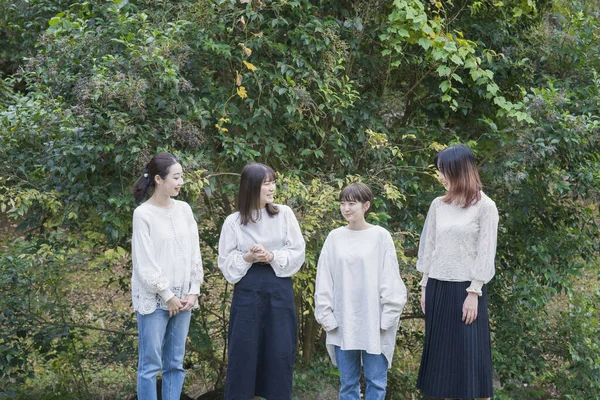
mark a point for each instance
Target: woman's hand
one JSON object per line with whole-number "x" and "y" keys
{"x": 257, "y": 248}
{"x": 469, "y": 310}
{"x": 423, "y": 299}
{"x": 175, "y": 306}
{"x": 258, "y": 253}
{"x": 265, "y": 257}
{"x": 189, "y": 301}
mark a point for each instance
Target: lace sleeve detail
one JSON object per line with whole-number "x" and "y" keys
{"x": 427, "y": 243}
{"x": 197, "y": 272}
{"x": 483, "y": 268}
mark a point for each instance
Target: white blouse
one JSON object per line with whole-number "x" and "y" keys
{"x": 165, "y": 251}
{"x": 459, "y": 244}
{"x": 279, "y": 234}
{"x": 359, "y": 291}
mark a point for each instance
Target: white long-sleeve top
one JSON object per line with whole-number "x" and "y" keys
{"x": 359, "y": 291}
{"x": 279, "y": 234}
{"x": 165, "y": 250}
{"x": 459, "y": 244}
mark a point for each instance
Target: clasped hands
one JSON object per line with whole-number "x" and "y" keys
{"x": 176, "y": 305}
{"x": 258, "y": 253}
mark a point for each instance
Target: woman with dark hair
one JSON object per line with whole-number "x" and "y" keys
{"x": 260, "y": 248}
{"x": 359, "y": 296}
{"x": 456, "y": 256}
{"x": 166, "y": 279}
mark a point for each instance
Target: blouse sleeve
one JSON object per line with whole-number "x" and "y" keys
{"x": 324, "y": 293}
{"x": 290, "y": 257}
{"x": 197, "y": 272}
{"x": 144, "y": 262}
{"x": 392, "y": 291}
{"x": 427, "y": 244}
{"x": 231, "y": 261}
{"x": 483, "y": 269}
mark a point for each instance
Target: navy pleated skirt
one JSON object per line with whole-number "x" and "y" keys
{"x": 262, "y": 337}
{"x": 457, "y": 358}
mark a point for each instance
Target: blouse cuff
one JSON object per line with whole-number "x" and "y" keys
{"x": 329, "y": 323}
{"x": 243, "y": 263}
{"x": 166, "y": 294}
{"x": 194, "y": 288}
{"x": 278, "y": 259}
{"x": 475, "y": 287}
{"x": 424, "y": 279}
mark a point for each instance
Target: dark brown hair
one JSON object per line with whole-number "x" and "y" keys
{"x": 358, "y": 192}
{"x": 248, "y": 201}
{"x": 159, "y": 165}
{"x": 457, "y": 163}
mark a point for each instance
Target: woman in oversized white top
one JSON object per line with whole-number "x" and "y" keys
{"x": 260, "y": 248}
{"x": 359, "y": 297}
{"x": 456, "y": 256}
{"x": 166, "y": 277}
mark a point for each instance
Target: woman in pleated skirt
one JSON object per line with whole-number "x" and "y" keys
{"x": 456, "y": 256}
{"x": 260, "y": 248}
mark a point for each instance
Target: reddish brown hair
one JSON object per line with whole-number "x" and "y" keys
{"x": 457, "y": 163}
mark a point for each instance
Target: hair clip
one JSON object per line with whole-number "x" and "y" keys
{"x": 146, "y": 175}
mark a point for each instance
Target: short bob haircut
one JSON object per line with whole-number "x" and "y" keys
{"x": 457, "y": 163}
{"x": 248, "y": 201}
{"x": 358, "y": 192}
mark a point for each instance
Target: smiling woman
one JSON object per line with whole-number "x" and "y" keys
{"x": 167, "y": 273}
{"x": 260, "y": 248}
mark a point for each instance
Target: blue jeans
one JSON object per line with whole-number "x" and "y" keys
{"x": 375, "y": 366}
{"x": 161, "y": 346}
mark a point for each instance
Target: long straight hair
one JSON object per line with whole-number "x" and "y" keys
{"x": 159, "y": 165}
{"x": 457, "y": 163}
{"x": 248, "y": 200}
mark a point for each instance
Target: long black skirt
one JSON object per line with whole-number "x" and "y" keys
{"x": 457, "y": 358}
{"x": 262, "y": 337}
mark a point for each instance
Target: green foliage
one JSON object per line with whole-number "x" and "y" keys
{"x": 326, "y": 92}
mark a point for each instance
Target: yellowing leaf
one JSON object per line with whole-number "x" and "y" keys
{"x": 238, "y": 78}
{"x": 241, "y": 91}
{"x": 247, "y": 51}
{"x": 249, "y": 66}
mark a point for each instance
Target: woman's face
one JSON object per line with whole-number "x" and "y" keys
{"x": 353, "y": 211}
{"x": 267, "y": 191}
{"x": 172, "y": 183}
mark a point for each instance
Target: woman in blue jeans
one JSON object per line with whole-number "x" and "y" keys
{"x": 359, "y": 297}
{"x": 167, "y": 273}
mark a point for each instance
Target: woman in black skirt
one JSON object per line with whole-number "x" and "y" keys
{"x": 260, "y": 248}
{"x": 456, "y": 257}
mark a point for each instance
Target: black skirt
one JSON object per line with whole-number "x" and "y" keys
{"x": 262, "y": 337}
{"x": 457, "y": 358}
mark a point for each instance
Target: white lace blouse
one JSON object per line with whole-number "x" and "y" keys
{"x": 165, "y": 251}
{"x": 279, "y": 234}
{"x": 459, "y": 244}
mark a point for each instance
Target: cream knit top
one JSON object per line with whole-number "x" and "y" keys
{"x": 459, "y": 244}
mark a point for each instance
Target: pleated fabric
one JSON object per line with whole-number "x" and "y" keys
{"x": 262, "y": 337}
{"x": 457, "y": 358}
